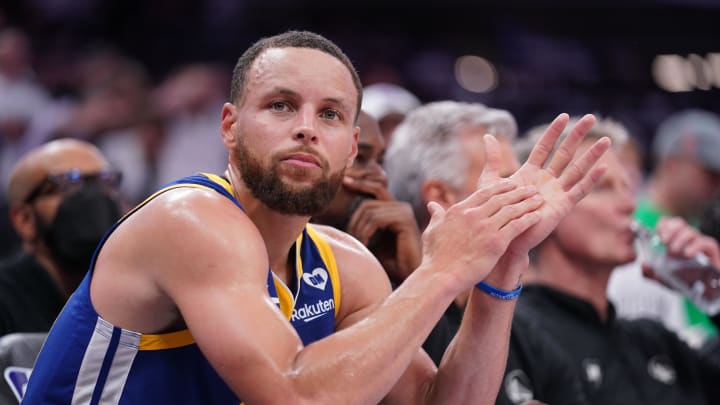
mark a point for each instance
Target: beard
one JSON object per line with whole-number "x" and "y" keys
{"x": 268, "y": 187}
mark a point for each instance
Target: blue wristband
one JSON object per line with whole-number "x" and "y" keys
{"x": 498, "y": 293}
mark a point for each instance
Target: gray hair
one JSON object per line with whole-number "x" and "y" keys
{"x": 608, "y": 127}
{"x": 426, "y": 146}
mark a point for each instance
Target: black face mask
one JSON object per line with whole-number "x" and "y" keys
{"x": 81, "y": 220}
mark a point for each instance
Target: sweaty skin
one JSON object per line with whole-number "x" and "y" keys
{"x": 190, "y": 258}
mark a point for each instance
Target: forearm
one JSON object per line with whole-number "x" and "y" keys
{"x": 362, "y": 363}
{"x": 472, "y": 368}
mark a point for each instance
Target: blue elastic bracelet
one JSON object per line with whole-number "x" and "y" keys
{"x": 498, "y": 293}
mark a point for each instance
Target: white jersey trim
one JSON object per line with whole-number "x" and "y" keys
{"x": 92, "y": 362}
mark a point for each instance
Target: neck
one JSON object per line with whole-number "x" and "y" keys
{"x": 279, "y": 231}
{"x": 572, "y": 275}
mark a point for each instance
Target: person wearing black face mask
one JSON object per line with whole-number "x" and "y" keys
{"x": 62, "y": 197}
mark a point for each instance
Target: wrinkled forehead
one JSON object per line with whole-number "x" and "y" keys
{"x": 303, "y": 69}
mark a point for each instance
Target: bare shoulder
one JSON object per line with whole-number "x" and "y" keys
{"x": 189, "y": 218}
{"x": 177, "y": 245}
{"x": 363, "y": 280}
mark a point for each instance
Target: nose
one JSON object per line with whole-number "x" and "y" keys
{"x": 306, "y": 128}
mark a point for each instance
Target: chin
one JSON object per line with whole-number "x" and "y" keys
{"x": 627, "y": 258}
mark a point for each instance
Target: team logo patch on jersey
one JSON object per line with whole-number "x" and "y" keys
{"x": 593, "y": 372}
{"x": 660, "y": 368}
{"x": 17, "y": 378}
{"x": 517, "y": 387}
{"x": 318, "y": 278}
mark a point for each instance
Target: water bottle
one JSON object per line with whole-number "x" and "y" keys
{"x": 695, "y": 277}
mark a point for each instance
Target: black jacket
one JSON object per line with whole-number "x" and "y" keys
{"x": 537, "y": 368}
{"x": 621, "y": 361}
{"x": 29, "y": 299}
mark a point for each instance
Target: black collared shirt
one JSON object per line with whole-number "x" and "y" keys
{"x": 537, "y": 368}
{"x": 621, "y": 361}
{"x": 29, "y": 299}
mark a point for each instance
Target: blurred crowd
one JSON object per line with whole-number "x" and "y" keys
{"x": 153, "y": 133}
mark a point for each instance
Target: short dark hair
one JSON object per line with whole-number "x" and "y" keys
{"x": 289, "y": 39}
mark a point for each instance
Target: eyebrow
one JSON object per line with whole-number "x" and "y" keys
{"x": 291, "y": 93}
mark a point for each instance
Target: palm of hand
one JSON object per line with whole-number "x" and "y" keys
{"x": 562, "y": 184}
{"x": 557, "y": 203}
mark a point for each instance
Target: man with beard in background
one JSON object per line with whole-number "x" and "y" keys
{"x": 62, "y": 197}
{"x": 364, "y": 208}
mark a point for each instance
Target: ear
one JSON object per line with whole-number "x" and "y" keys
{"x": 23, "y": 221}
{"x": 228, "y": 120}
{"x": 440, "y": 192}
{"x": 354, "y": 150}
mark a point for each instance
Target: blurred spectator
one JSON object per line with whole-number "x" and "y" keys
{"x": 388, "y": 104}
{"x": 21, "y": 98}
{"x": 437, "y": 154}
{"x": 619, "y": 361}
{"x": 430, "y": 153}
{"x": 114, "y": 113}
{"x": 685, "y": 179}
{"x": 686, "y": 146}
{"x": 20, "y": 95}
{"x": 62, "y": 197}
{"x": 189, "y": 103}
{"x": 364, "y": 208}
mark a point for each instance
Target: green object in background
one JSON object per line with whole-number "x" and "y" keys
{"x": 648, "y": 215}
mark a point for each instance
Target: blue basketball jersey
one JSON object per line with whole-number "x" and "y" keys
{"x": 87, "y": 360}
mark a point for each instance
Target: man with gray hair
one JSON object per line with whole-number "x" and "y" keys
{"x": 437, "y": 155}
{"x": 619, "y": 361}
{"x": 438, "y": 151}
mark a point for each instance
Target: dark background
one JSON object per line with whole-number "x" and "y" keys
{"x": 551, "y": 56}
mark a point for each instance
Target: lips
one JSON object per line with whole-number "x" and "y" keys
{"x": 304, "y": 159}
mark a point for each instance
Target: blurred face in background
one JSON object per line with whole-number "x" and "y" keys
{"x": 67, "y": 200}
{"x": 367, "y": 166}
{"x": 693, "y": 185}
{"x": 597, "y": 230}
